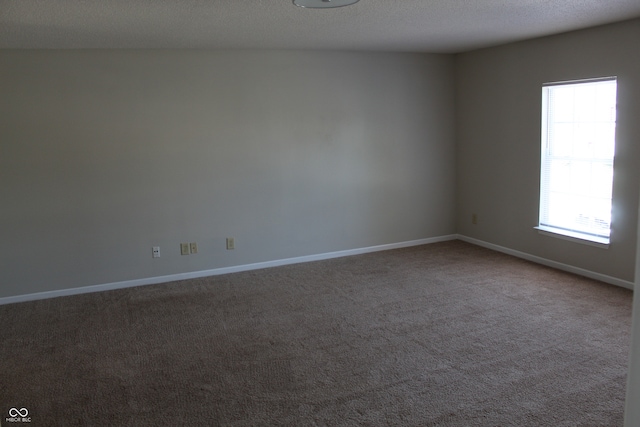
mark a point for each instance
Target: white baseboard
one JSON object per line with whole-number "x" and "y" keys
{"x": 309, "y": 258}
{"x": 218, "y": 271}
{"x": 550, "y": 263}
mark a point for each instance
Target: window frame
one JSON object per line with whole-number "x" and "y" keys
{"x": 548, "y": 229}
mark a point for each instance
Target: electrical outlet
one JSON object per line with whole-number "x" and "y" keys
{"x": 184, "y": 249}
{"x": 231, "y": 244}
{"x": 193, "y": 246}
{"x": 156, "y": 251}
{"x": 474, "y": 219}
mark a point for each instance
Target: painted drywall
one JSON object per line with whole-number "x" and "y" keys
{"x": 105, "y": 154}
{"x": 498, "y": 116}
{"x": 632, "y": 409}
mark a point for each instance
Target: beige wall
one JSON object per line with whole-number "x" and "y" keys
{"x": 105, "y": 154}
{"x": 632, "y": 409}
{"x": 498, "y": 102}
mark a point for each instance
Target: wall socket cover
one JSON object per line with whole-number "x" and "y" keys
{"x": 231, "y": 244}
{"x": 184, "y": 249}
{"x": 156, "y": 251}
{"x": 193, "y": 247}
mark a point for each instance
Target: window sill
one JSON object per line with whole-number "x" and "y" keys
{"x": 598, "y": 242}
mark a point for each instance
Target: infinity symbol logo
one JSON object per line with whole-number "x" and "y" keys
{"x": 23, "y": 412}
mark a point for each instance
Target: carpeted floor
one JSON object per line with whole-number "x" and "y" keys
{"x": 447, "y": 334}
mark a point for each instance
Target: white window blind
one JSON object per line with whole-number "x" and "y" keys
{"x": 578, "y": 144}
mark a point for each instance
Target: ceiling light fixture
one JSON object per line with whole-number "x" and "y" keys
{"x": 323, "y": 4}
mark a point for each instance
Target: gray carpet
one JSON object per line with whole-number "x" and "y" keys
{"x": 448, "y": 334}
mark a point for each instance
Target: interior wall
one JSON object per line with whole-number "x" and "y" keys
{"x": 632, "y": 409}
{"x": 106, "y": 153}
{"x": 498, "y": 102}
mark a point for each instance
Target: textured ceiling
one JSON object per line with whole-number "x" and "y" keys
{"x": 382, "y": 25}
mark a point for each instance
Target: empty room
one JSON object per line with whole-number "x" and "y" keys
{"x": 319, "y": 213}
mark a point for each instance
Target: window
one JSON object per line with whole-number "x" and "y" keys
{"x": 578, "y": 144}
